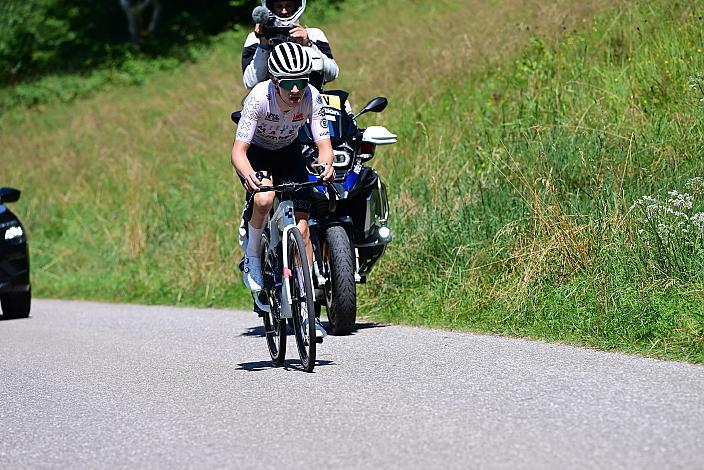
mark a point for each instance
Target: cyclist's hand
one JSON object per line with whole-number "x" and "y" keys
{"x": 326, "y": 171}
{"x": 252, "y": 182}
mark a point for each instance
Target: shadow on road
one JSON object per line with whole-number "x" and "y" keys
{"x": 258, "y": 331}
{"x": 259, "y": 366}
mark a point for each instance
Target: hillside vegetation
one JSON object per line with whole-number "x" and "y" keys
{"x": 528, "y": 134}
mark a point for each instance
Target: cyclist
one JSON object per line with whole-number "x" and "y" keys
{"x": 257, "y": 47}
{"x": 267, "y": 149}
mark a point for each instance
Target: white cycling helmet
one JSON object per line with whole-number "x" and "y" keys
{"x": 288, "y": 20}
{"x": 289, "y": 60}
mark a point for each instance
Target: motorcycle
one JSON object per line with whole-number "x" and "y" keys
{"x": 349, "y": 225}
{"x": 348, "y": 222}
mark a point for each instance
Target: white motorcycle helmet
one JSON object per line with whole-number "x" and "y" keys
{"x": 289, "y": 20}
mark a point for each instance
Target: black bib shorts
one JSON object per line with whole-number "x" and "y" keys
{"x": 285, "y": 165}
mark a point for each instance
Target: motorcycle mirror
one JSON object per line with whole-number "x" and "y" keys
{"x": 376, "y": 105}
{"x": 9, "y": 195}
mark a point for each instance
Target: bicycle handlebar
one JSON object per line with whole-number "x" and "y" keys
{"x": 291, "y": 187}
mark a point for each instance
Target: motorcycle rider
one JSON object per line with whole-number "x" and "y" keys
{"x": 266, "y": 147}
{"x": 257, "y": 48}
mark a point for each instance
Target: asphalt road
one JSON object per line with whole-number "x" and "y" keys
{"x": 85, "y": 385}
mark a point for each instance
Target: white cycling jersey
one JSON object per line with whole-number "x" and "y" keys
{"x": 265, "y": 125}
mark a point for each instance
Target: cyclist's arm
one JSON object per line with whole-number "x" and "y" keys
{"x": 242, "y": 165}
{"x": 321, "y": 134}
{"x": 243, "y": 137}
{"x": 325, "y": 157}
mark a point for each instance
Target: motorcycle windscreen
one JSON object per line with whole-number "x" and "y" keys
{"x": 340, "y": 124}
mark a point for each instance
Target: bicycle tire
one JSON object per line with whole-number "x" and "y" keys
{"x": 274, "y": 326}
{"x": 302, "y": 305}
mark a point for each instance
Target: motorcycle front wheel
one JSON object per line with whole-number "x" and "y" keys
{"x": 340, "y": 287}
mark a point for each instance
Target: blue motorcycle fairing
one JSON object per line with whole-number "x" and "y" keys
{"x": 350, "y": 180}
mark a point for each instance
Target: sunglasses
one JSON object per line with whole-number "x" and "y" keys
{"x": 288, "y": 83}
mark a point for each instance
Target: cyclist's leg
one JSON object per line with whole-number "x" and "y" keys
{"x": 261, "y": 204}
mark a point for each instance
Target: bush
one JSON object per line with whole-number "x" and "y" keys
{"x": 39, "y": 37}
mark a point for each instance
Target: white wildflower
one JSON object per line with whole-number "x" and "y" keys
{"x": 695, "y": 184}
{"x": 644, "y": 201}
{"x": 663, "y": 231}
{"x": 698, "y": 221}
{"x": 678, "y": 214}
{"x": 683, "y": 200}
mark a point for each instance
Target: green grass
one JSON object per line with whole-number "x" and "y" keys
{"x": 524, "y": 140}
{"x": 519, "y": 221}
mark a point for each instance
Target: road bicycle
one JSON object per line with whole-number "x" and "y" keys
{"x": 287, "y": 284}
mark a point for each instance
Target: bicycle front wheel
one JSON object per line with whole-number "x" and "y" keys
{"x": 274, "y": 326}
{"x": 302, "y": 305}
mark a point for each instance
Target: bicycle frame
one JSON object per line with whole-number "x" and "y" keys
{"x": 283, "y": 220}
{"x": 280, "y": 223}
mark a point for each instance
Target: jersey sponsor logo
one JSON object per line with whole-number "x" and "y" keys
{"x": 324, "y": 122}
{"x": 331, "y": 101}
{"x": 272, "y": 117}
{"x": 298, "y": 117}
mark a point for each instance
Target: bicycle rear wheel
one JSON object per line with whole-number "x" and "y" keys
{"x": 302, "y": 305}
{"x": 274, "y": 326}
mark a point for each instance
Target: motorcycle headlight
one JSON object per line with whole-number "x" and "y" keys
{"x": 13, "y": 232}
{"x": 341, "y": 159}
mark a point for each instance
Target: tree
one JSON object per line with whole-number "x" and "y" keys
{"x": 135, "y": 11}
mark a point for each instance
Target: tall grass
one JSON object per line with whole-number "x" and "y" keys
{"x": 520, "y": 217}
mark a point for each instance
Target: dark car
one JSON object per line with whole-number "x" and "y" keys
{"x": 15, "y": 289}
